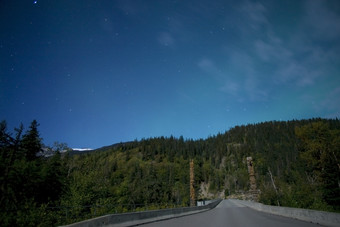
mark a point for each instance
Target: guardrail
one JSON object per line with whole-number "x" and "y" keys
{"x": 314, "y": 216}
{"x": 135, "y": 218}
{"x": 72, "y": 214}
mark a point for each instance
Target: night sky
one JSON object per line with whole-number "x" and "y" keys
{"x": 94, "y": 73}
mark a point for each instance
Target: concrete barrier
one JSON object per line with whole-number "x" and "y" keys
{"x": 137, "y": 218}
{"x": 314, "y": 216}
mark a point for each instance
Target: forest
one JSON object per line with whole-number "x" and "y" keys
{"x": 297, "y": 164}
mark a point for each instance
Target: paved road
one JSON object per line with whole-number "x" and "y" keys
{"x": 229, "y": 213}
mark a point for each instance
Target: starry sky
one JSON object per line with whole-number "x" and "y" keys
{"x": 94, "y": 73}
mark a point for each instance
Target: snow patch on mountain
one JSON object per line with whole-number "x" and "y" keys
{"x": 82, "y": 149}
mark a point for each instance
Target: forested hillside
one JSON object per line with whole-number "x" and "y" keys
{"x": 296, "y": 164}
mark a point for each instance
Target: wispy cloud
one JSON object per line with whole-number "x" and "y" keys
{"x": 272, "y": 49}
{"x": 240, "y": 82}
{"x": 228, "y": 85}
{"x": 301, "y": 59}
{"x": 209, "y": 66}
{"x": 291, "y": 64}
{"x": 231, "y": 87}
{"x": 267, "y": 59}
{"x": 254, "y": 12}
{"x": 331, "y": 103}
{"x": 185, "y": 96}
{"x": 321, "y": 20}
{"x": 251, "y": 81}
{"x": 166, "y": 39}
{"x": 130, "y": 7}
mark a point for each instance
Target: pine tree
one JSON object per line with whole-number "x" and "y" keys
{"x": 31, "y": 142}
{"x": 320, "y": 152}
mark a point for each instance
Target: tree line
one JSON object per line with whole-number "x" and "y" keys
{"x": 296, "y": 164}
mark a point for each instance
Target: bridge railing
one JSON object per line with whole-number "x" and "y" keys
{"x": 71, "y": 214}
{"x": 314, "y": 216}
{"x": 143, "y": 216}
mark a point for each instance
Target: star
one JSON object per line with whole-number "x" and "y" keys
{"x": 35, "y": 2}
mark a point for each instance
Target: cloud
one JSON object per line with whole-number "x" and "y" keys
{"x": 296, "y": 73}
{"x": 253, "y": 80}
{"x": 230, "y": 87}
{"x": 331, "y": 103}
{"x": 255, "y": 11}
{"x": 255, "y": 89}
{"x": 325, "y": 104}
{"x": 285, "y": 58}
{"x": 267, "y": 58}
{"x": 130, "y": 7}
{"x": 166, "y": 39}
{"x": 240, "y": 82}
{"x": 186, "y": 97}
{"x": 273, "y": 49}
{"x": 300, "y": 59}
{"x": 106, "y": 24}
{"x": 289, "y": 66}
{"x": 251, "y": 15}
{"x": 209, "y": 66}
{"x": 321, "y": 20}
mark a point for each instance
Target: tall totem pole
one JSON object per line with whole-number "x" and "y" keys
{"x": 253, "y": 191}
{"x": 192, "y": 180}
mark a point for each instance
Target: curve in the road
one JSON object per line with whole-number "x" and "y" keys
{"x": 229, "y": 213}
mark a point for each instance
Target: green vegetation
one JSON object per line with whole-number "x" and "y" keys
{"x": 28, "y": 183}
{"x": 296, "y": 164}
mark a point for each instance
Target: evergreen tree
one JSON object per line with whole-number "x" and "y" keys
{"x": 320, "y": 152}
{"x": 31, "y": 142}
{"x": 28, "y": 183}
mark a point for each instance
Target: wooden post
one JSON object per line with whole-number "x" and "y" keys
{"x": 192, "y": 180}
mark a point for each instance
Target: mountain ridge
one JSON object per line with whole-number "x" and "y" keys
{"x": 296, "y": 164}
{"x": 221, "y": 163}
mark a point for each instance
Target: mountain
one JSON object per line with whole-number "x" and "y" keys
{"x": 295, "y": 163}
{"x": 155, "y": 170}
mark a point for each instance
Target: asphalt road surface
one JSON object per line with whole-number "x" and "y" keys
{"x": 229, "y": 213}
